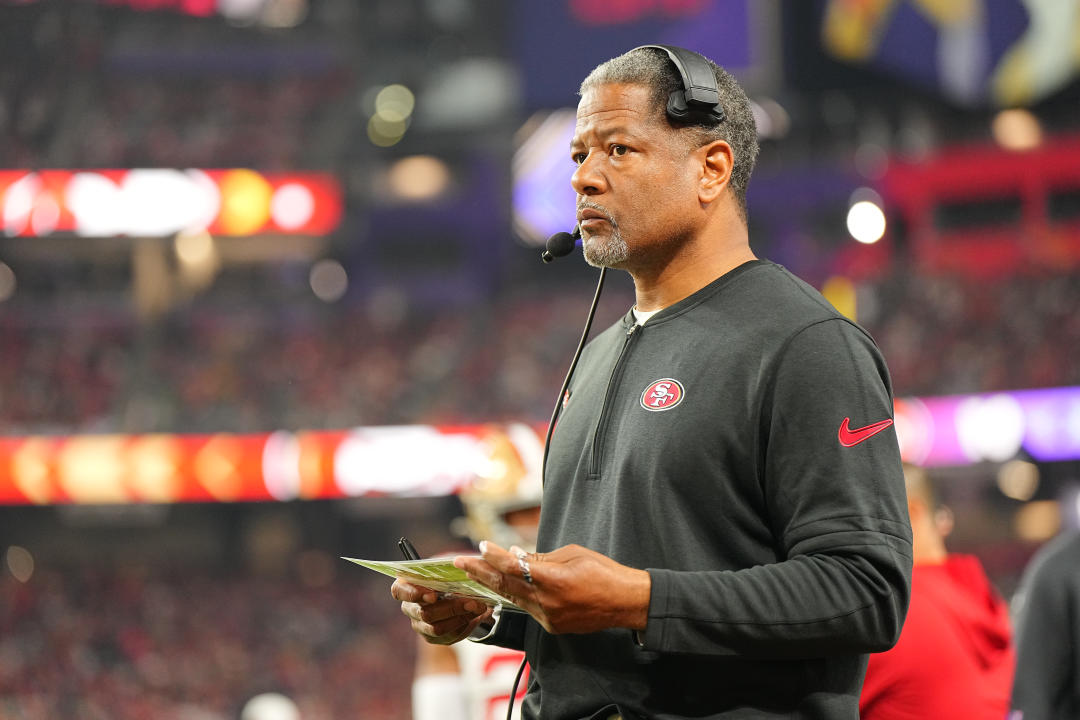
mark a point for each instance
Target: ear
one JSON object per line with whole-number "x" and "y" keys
{"x": 944, "y": 520}
{"x": 717, "y": 161}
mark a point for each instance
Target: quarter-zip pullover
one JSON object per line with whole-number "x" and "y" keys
{"x": 719, "y": 447}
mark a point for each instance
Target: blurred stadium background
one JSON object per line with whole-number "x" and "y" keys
{"x": 270, "y": 294}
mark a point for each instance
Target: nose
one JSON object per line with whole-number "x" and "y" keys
{"x": 588, "y": 179}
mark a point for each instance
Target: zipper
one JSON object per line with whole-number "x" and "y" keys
{"x": 598, "y": 433}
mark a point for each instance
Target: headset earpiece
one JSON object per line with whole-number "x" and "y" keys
{"x": 698, "y": 102}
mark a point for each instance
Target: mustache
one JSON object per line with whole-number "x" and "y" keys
{"x": 599, "y": 208}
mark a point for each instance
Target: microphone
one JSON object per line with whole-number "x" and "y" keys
{"x": 561, "y": 244}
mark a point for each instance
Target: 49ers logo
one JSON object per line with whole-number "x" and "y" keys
{"x": 662, "y": 395}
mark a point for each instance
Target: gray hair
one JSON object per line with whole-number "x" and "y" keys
{"x": 653, "y": 68}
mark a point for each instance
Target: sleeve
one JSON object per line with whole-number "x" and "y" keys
{"x": 439, "y": 697}
{"x": 1044, "y": 657}
{"x": 508, "y": 630}
{"x": 833, "y": 490}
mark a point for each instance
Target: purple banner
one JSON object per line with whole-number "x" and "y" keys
{"x": 994, "y": 427}
{"x": 558, "y": 42}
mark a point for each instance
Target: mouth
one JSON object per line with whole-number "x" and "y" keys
{"x": 590, "y": 217}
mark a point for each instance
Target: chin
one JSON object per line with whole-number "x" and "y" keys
{"x": 609, "y": 252}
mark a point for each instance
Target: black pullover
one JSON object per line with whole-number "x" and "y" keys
{"x": 736, "y": 447}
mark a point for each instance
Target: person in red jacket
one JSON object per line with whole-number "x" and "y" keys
{"x": 955, "y": 656}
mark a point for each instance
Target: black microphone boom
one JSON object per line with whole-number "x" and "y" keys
{"x": 561, "y": 244}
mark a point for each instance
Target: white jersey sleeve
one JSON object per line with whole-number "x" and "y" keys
{"x": 488, "y": 675}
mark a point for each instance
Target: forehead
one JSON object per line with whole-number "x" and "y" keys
{"x": 617, "y": 105}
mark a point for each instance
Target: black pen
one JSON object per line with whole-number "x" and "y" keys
{"x": 407, "y": 549}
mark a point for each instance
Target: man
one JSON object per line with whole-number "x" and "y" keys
{"x": 955, "y": 656}
{"x": 734, "y": 545}
{"x": 1047, "y": 608}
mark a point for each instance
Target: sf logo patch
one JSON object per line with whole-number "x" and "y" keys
{"x": 662, "y": 395}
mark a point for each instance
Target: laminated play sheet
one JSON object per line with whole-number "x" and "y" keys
{"x": 438, "y": 574}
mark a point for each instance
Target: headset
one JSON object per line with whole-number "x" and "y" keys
{"x": 698, "y": 102}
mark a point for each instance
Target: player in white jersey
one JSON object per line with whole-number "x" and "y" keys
{"x": 471, "y": 681}
{"x": 466, "y": 681}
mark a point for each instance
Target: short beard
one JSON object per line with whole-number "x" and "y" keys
{"x": 611, "y": 252}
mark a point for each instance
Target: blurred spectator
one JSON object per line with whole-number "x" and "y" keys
{"x": 955, "y": 656}
{"x": 1047, "y": 607}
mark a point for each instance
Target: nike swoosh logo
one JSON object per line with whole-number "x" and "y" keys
{"x": 851, "y": 438}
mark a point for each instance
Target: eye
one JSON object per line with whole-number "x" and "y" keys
{"x": 578, "y": 158}
{"x": 619, "y": 150}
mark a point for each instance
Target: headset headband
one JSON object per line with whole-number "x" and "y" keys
{"x": 698, "y": 102}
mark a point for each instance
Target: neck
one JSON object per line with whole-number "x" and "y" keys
{"x": 928, "y": 547}
{"x": 691, "y": 266}
{"x": 937, "y": 556}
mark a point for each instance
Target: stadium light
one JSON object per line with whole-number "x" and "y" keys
{"x": 1018, "y": 479}
{"x": 7, "y": 282}
{"x": 394, "y": 102}
{"x": 418, "y": 177}
{"x": 1038, "y": 521}
{"x": 393, "y": 111}
{"x": 865, "y": 218}
{"x": 292, "y": 206}
{"x": 329, "y": 281}
{"x": 1016, "y": 129}
{"x": 20, "y": 563}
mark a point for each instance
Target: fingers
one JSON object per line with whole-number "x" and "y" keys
{"x": 405, "y": 591}
{"x": 448, "y": 609}
{"x": 446, "y": 620}
{"x": 524, "y": 567}
{"x": 438, "y": 619}
{"x": 445, "y": 632}
{"x": 489, "y": 567}
{"x": 505, "y": 561}
{"x": 450, "y": 632}
{"x": 426, "y": 605}
{"x": 498, "y": 569}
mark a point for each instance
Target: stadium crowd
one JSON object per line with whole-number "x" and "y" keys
{"x": 215, "y": 369}
{"x": 243, "y": 371}
{"x": 147, "y": 90}
{"x": 203, "y": 122}
{"x": 949, "y": 334}
{"x": 98, "y": 644}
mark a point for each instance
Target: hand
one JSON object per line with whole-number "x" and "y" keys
{"x": 440, "y": 621}
{"x": 573, "y": 589}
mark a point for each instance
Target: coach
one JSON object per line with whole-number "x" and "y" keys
{"x": 724, "y": 531}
